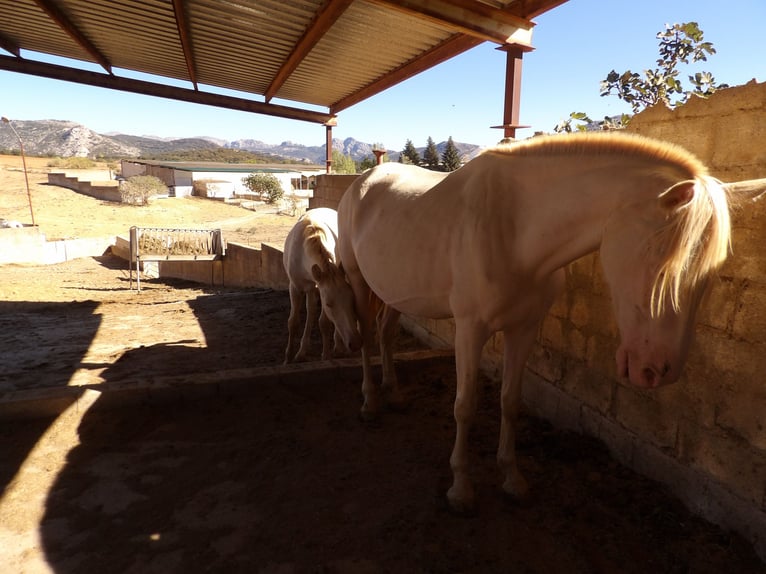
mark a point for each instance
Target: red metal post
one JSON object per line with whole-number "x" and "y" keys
{"x": 514, "y": 55}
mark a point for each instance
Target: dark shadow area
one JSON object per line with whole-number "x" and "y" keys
{"x": 39, "y": 337}
{"x": 285, "y": 478}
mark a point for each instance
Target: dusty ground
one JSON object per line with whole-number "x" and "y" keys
{"x": 283, "y": 477}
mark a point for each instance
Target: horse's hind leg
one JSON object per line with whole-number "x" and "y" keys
{"x": 293, "y": 322}
{"x": 312, "y": 295}
{"x": 469, "y": 340}
{"x": 517, "y": 344}
{"x": 388, "y": 323}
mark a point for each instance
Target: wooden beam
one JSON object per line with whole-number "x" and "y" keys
{"x": 184, "y": 35}
{"x": 532, "y": 8}
{"x": 324, "y": 20}
{"x": 470, "y": 17}
{"x": 9, "y": 46}
{"x": 74, "y": 32}
{"x": 449, "y": 49}
{"x": 112, "y": 82}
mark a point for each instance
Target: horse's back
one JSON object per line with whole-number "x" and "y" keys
{"x": 396, "y": 237}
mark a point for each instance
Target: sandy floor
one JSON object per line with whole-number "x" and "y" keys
{"x": 278, "y": 476}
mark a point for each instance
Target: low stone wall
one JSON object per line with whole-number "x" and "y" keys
{"x": 106, "y": 191}
{"x": 241, "y": 266}
{"x": 28, "y": 245}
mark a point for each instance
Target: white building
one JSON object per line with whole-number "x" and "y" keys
{"x": 221, "y": 180}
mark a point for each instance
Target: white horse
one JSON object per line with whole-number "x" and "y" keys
{"x": 487, "y": 245}
{"x": 310, "y": 261}
{"x": 10, "y": 224}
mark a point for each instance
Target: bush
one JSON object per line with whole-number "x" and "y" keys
{"x": 265, "y": 185}
{"x": 72, "y": 163}
{"x": 138, "y": 189}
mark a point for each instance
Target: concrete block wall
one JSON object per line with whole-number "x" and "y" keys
{"x": 329, "y": 189}
{"x": 241, "y": 266}
{"x": 106, "y": 191}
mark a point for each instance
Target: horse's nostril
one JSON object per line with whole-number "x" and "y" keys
{"x": 649, "y": 377}
{"x": 665, "y": 369}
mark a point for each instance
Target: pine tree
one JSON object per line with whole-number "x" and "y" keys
{"x": 451, "y": 157}
{"x": 410, "y": 154}
{"x": 431, "y": 155}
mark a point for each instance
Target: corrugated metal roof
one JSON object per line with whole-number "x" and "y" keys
{"x": 315, "y": 56}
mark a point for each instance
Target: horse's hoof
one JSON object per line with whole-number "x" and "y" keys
{"x": 394, "y": 398}
{"x": 461, "y": 505}
{"x": 368, "y": 415}
{"x": 516, "y": 488}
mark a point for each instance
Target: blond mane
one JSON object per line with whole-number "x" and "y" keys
{"x": 314, "y": 240}
{"x": 695, "y": 240}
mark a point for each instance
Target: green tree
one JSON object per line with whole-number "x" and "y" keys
{"x": 410, "y": 154}
{"x": 265, "y": 185}
{"x": 678, "y": 44}
{"x": 138, "y": 189}
{"x": 431, "y": 155}
{"x": 450, "y": 156}
{"x": 342, "y": 163}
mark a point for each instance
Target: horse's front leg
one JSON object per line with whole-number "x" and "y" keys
{"x": 469, "y": 340}
{"x": 293, "y": 322}
{"x": 312, "y": 296}
{"x": 388, "y": 323}
{"x": 517, "y": 344}
{"x": 364, "y": 302}
{"x": 326, "y": 328}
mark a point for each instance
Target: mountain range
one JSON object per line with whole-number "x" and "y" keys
{"x": 66, "y": 139}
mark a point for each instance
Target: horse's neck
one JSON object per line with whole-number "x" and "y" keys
{"x": 558, "y": 209}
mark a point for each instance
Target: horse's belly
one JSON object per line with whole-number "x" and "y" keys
{"x": 408, "y": 288}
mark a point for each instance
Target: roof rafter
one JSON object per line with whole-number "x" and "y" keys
{"x": 457, "y": 44}
{"x": 324, "y": 20}
{"x": 472, "y": 18}
{"x": 97, "y": 79}
{"x": 531, "y": 8}
{"x": 9, "y": 46}
{"x": 182, "y": 23}
{"x": 52, "y": 9}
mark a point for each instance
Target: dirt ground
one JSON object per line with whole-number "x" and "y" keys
{"x": 282, "y": 477}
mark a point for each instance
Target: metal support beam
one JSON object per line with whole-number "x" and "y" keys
{"x": 328, "y": 142}
{"x": 318, "y": 28}
{"x": 514, "y": 55}
{"x": 52, "y": 9}
{"x": 450, "y": 48}
{"x": 112, "y": 82}
{"x": 182, "y": 23}
{"x": 469, "y": 17}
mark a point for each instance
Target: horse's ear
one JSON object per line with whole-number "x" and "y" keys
{"x": 316, "y": 272}
{"x": 679, "y": 195}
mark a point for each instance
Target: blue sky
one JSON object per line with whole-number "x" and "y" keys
{"x": 576, "y": 45}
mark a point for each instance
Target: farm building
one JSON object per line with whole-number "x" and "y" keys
{"x": 220, "y": 180}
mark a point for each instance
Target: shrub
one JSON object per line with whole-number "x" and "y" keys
{"x": 265, "y": 185}
{"x": 138, "y": 189}
{"x": 72, "y": 163}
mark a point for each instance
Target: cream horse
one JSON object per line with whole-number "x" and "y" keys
{"x": 310, "y": 263}
{"x": 487, "y": 245}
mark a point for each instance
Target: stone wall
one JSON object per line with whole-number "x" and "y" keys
{"x": 241, "y": 266}
{"x": 106, "y": 191}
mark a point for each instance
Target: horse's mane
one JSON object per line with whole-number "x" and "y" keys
{"x": 696, "y": 237}
{"x": 315, "y": 242}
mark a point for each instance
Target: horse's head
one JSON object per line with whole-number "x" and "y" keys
{"x": 657, "y": 257}
{"x": 338, "y": 303}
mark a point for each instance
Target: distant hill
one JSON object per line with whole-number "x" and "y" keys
{"x": 66, "y": 139}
